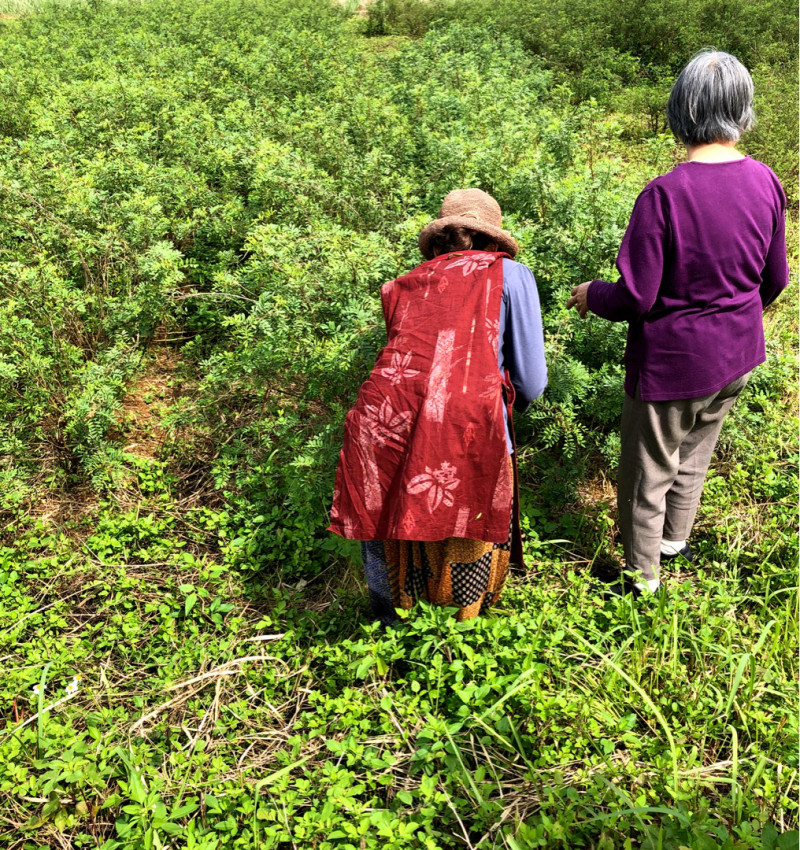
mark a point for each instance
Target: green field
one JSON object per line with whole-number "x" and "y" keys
{"x": 198, "y": 202}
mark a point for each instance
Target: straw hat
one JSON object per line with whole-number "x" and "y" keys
{"x": 470, "y": 208}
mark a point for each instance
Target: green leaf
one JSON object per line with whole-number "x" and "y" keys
{"x": 212, "y": 802}
{"x": 190, "y": 603}
{"x": 185, "y": 809}
{"x": 364, "y": 667}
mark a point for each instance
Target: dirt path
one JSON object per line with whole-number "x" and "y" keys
{"x": 147, "y": 400}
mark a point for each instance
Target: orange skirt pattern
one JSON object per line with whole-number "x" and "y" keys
{"x": 465, "y": 574}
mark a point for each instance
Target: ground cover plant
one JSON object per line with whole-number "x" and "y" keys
{"x": 200, "y": 199}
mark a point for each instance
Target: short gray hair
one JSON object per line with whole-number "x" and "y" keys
{"x": 712, "y": 100}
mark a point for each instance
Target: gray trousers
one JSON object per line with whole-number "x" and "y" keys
{"x": 666, "y": 450}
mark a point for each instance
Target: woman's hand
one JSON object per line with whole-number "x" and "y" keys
{"x": 578, "y": 300}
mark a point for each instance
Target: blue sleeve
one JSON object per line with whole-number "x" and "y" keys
{"x": 521, "y": 348}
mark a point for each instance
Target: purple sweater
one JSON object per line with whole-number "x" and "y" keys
{"x": 703, "y": 255}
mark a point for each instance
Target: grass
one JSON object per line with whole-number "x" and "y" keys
{"x": 264, "y": 713}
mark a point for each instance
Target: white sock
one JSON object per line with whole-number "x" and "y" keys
{"x": 672, "y": 547}
{"x": 651, "y": 584}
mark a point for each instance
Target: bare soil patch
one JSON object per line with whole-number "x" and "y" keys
{"x": 144, "y": 404}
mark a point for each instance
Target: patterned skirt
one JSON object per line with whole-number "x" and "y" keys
{"x": 465, "y": 574}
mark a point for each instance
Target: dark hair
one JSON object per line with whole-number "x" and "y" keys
{"x": 454, "y": 238}
{"x": 712, "y": 100}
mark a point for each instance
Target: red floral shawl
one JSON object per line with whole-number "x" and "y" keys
{"x": 425, "y": 455}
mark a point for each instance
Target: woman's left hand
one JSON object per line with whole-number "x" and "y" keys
{"x": 578, "y": 300}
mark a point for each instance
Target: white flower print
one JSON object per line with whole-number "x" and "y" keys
{"x": 468, "y": 435}
{"x": 387, "y": 425}
{"x": 492, "y": 386}
{"x": 461, "y": 523}
{"x": 493, "y": 391}
{"x": 470, "y": 264}
{"x": 502, "y": 492}
{"x": 493, "y": 331}
{"x": 408, "y": 522}
{"x": 438, "y": 483}
{"x": 440, "y": 376}
{"x": 373, "y": 496}
{"x": 399, "y": 368}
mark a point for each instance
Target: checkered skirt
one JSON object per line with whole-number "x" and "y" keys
{"x": 465, "y": 574}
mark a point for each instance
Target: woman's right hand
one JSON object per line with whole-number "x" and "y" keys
{"x": 578, "y": 299}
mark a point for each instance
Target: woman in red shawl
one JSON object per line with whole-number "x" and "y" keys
{"x": 426, "y": 475}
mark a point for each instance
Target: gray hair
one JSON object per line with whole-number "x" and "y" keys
{"x": 712, "y": 100}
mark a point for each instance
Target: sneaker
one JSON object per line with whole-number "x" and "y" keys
{"x": 619, "y": 588}
{"x": 625, "y": 586}
{"x": 685, "y": 553}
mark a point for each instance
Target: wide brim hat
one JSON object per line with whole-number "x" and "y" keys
{"x": 474, "y": 209}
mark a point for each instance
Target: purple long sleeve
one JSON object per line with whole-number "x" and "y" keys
{"x": 521, "y": 348}
{"x": 775, "y": 276}
{"x": 704, "y": 253}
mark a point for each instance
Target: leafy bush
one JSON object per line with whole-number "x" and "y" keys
{"x": 254, "y": 198}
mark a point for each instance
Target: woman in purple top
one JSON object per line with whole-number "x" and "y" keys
{"x": 703, "y": 255}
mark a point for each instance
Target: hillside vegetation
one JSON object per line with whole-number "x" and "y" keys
{"x": 198, "y": 202}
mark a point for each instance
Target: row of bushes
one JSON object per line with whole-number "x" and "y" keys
{"x": 190, "y": 165}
